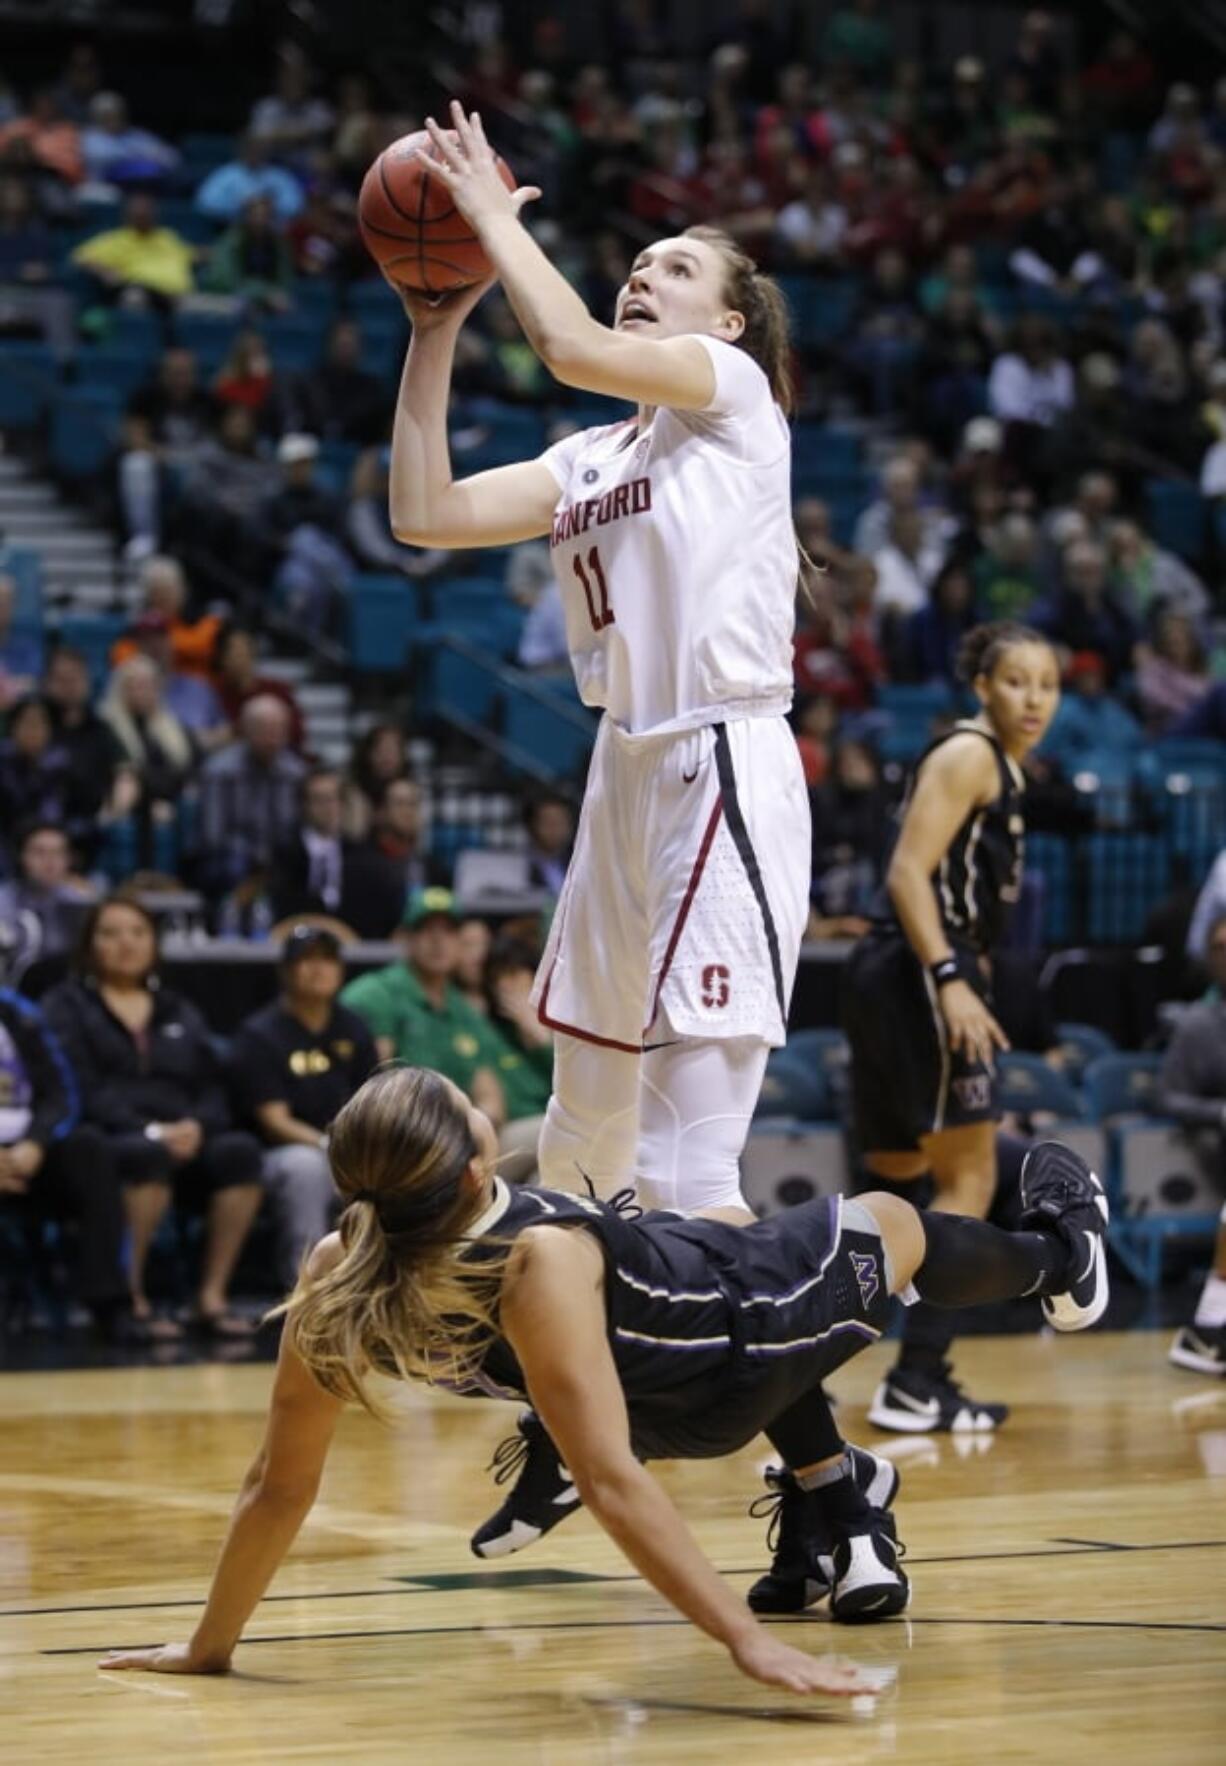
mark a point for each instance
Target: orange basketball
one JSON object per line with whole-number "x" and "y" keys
{"x": 412, "y": 228}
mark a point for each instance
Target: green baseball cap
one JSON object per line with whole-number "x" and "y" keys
{"x": 424, "y": 904}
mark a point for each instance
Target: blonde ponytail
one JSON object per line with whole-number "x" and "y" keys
{"x": 403, "y": 1300}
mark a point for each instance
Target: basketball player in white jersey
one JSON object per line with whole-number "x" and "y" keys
{"x": 674, "y": 947}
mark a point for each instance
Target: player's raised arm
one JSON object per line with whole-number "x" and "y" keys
{"x": 577, "y": 349}
{"x": 275, "y": 1498}
{"x": 426, "y": 505}
{"x": 553, "y": 1316}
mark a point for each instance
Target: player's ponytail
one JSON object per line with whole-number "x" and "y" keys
{"x": 984, "y": 647}
{"x": 402, "y": 1300}
{"x": 760, "y": 299}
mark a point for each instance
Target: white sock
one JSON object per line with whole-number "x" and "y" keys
{"x": 1211, "y": 1307}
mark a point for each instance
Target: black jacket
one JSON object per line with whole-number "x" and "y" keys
{"x": 124, "y": 1086}
{"x": 54, "y": 1101}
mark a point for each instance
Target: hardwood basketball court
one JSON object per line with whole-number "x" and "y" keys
{"x": 1069, "y": 1585}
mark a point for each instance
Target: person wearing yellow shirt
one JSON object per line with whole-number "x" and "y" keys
{"x": 140, "y": 254}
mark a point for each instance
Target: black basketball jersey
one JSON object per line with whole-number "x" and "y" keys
{"x": 698, "y": 1311}
{"x": 977, "y": 882}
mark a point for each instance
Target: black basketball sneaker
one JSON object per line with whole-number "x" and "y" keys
{"x": 914, "y": 1401}
{"x": 543, "y": 1494}
{"x": 802, "y": 1539}
{"x": 1061, "y": 1194}
{"x": 1201, "y": 1348}
{"x": 869, "y": 1583}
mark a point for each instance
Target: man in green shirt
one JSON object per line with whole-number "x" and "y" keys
{"x": 416, "y": 1013}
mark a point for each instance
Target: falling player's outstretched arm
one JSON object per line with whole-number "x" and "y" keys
{"x": 553, "y": 1314}
{"x": 275, "y": 1498}
{"x": 576, "y": 348}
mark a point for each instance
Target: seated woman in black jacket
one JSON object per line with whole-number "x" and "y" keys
{"x": 151, "y": 1083}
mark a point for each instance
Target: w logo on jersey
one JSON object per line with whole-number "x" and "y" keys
{"x": 865, "y": 1266}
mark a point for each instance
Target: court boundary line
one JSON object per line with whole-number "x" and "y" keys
{"x": 485, "y": 1629}
{"x": 404, "y": 1585}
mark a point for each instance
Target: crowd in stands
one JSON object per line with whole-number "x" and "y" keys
{"x": 1008, "y": 287}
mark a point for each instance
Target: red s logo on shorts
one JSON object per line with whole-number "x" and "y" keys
{"x": 715, "y": 979}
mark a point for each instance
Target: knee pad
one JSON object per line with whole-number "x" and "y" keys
{"x": 587, "y": 1143}
{"x": 698, "y": 1099}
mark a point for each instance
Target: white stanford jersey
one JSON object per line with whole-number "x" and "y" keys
{"x": 677, "y": 559}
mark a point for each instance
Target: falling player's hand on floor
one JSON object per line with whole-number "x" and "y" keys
{"x": 762, "y": 1657}
{"x": 166, "y": 1658}
{"x": 973, "y": 1031}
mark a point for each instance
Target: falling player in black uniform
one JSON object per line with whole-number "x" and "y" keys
{"x": 665, "y": 1334}
{"x": 916, "y": 1001}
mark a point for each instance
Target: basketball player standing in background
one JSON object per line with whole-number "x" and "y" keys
{"x": 923, "y": 1039}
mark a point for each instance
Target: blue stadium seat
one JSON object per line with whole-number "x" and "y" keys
{"x": 117, "y": 368}
{"x": 295, "y": 341}
{"x": 915, "y": 699}
{"x": 1121, "y": 1085}
{"x": 794, "y": 1086}
{"x": 1126, "y": 874}
{"x": 181, "y": 215}
{"x": 207, "y": 150}
{"x": 1026, "y": 1084}
{"x": 1081, "y": 1044}
{"x": 316, "y": 296}
{"x": 1192, "y": 806}
{"x": 93, "y": 635}
{"x": 1118, "y": 158}
{"x": 1171, "y": 753}
{"x": 28, "y": 378}
{"x": 1176, "y": 516}
{"x": 207, "y": 335}
{"x": 339, "y": 459}
{"x": 463, "y": 597}
{"x": 826, "y": 449}
{"x": 1050, "y": 856}
{"x": 837, "y": 485}
{"x": 381, "y": 620}
{"x": 559, "y": 744}
{"x": 25, "y": 567}
{"x": 829, "y": 1051}
{"x": 460, "y": 686}
{"x": 821, "y": 309}
{"x": 493, "y": 624}
{"x": 903, "y": 739}
{"x": 1108, "y": 775}
{"x": 84, "y": 430}
{"x": 134, "y": 328}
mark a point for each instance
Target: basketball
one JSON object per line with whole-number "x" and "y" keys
{"x": 412, "y": 228}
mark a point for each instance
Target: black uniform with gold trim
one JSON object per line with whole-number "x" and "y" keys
{"x": 275, "y": 1059}
{"x": 906, "y": 1081}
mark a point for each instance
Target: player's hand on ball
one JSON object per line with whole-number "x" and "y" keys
{"x": 167, "y": 1658}
{"x": 463, "y": 160}
{"x": 433, "y": 312}
{"x": 763, "y": 1658}
{"x": 973, "y": 1031}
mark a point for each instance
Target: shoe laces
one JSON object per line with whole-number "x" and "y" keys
{"x": 772, "y": 1506}
{"x": 623, "y": 1202}
{"x": 945, "y": 1377}
{"x": 510, "y": 1457}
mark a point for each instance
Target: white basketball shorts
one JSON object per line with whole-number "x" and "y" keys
{"x": 687, "y": 895}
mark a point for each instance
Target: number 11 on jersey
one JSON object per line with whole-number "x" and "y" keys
{"x": 596, "y": 590}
